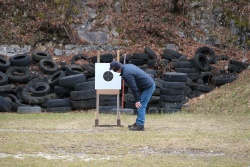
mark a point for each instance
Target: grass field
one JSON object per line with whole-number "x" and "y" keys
{"x": 213, "y": 131}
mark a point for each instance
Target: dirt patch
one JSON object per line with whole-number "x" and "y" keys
{"x": 185, "y": 151}
{"x": 64, "y": 155}
{"x": 68, "y": 157}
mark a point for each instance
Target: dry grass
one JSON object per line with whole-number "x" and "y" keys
{"x": 180, "y": 139}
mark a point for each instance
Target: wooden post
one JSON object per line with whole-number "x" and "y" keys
{"x": 118, "y": 55}
{"x": 97, "y": 97}
{"x": 107, "y": 92}
{"x": 118, "y": 99}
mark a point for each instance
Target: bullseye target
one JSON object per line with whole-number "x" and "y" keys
{"x": 105, "y": 78}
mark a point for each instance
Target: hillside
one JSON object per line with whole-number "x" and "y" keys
{"x": 136, "y": 24}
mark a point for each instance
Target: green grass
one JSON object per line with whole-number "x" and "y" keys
{"x": 211, "y": 132}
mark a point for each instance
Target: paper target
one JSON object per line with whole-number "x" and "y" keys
{"x": 105, "y": 78}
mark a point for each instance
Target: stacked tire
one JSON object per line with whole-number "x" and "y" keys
{"x": 188, "y": 68}
{"x": 202, "y": 85}
{"x": 84, "y": 95}
{"x": 172, "y": 93}
{"x": 237, "y": 66}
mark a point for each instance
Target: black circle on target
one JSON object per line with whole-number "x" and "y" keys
{"x": 108, "y": 76}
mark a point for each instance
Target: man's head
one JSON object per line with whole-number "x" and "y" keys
{"x": 115, "y": 66}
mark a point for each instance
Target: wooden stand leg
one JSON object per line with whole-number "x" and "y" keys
{"x": 118, "y": 112}
{"x": 97, "y": 111}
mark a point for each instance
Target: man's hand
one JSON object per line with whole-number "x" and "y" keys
{"x": 138, "y": 104}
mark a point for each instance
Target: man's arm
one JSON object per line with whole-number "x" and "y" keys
{"x": 130, "y": 80}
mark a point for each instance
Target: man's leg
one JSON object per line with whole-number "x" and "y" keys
{"x": 145, "y": 97}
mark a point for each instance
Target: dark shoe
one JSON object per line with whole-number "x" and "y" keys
{"x": 137, "y": 127}
{"x": 131, "y": 125}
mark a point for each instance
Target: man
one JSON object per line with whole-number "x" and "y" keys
{"x": 142, "y": 87}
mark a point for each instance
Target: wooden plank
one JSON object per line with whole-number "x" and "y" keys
{"x": 118, "y": 55}
{"x": 107, "y": 91}
{"x": 98, "y": 56}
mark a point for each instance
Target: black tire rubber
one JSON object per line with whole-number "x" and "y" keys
{"x": 224, "y": 79}
{"x": 168, "y": 91}
{"x": 129, "y": 104}
{"x": 234, "y": 68}
{"x": 195, "y": 93}
{"x": 14, "y": 106}
{"x": 202, "y": 88}
{"x": 4, "y": 64}
{"x": 48, "y": 66}
{"x": 83, "y": 95}
{"x": 77, "y": 57}
{"x": 152, "y": 63}
{"x": 62, "y": 91}
{"x": 85, "y": 86}
{"x": 208, "y": 52}
{"x": 157, "y": 92}
{"x": 7, "y": 88}
{"x": 129, "y": 97}
{"x": 29, "y": 99}
{"x": 183, "y": 64}
{"x": 174, "y": 85}
{"x": 158, "y": 82}
{"x": 193, "y": 76}
{"x": 168, "y": 56}
{"x": 150, "y": 52}
{"x": 17, "y": 74}
{"x": 104, "y": 58}
{"x": 143, "y": 56}
{"x": 170, "y": 105}
{"x": 201, "y": 62}
{"x": 138, "y": 62}
{"x": 64, "y": 102}
{"x": 127, "y": 60}
{"x": 73, "y": 69}
{"x": 69, "y": 81}
{"x": 172, "y": 53}
{"x": 53, "y": 79}
{"x": 185, "y": 70}
{"x": 20, "y": 60}
{"x": 39, "y": 55}
{"x": 183, "y": 58}
{"x": 168, "y": 110}
{"x": 5, "y": 105}
{"x": 84, "y": 104}
{"x": 3, "y": 78}
{"x": 39, "y": 89}
{"x": 152, "y": 72}
{"x": 59, "y": 109}
{"x": 220, "y": 58}
{"x": 89, "y": 68}
{"x": 172, "y": 98}
{"x": 144, "y": 67}
{"x": 29, "y": 109}
{"x": 239, "y": 63}
{"x": 175, "y": 77}
{"x": 187, "y": 90}
{"x": 15, "y": 99}
{"x": 206, "y": 77}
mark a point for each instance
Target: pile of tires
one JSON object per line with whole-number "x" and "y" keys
{"x": 37, "y": 83}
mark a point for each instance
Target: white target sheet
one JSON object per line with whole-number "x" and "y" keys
{"x": 105, "y": 78}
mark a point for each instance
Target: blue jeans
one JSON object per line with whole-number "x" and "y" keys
{"x": 145, "y": 97}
